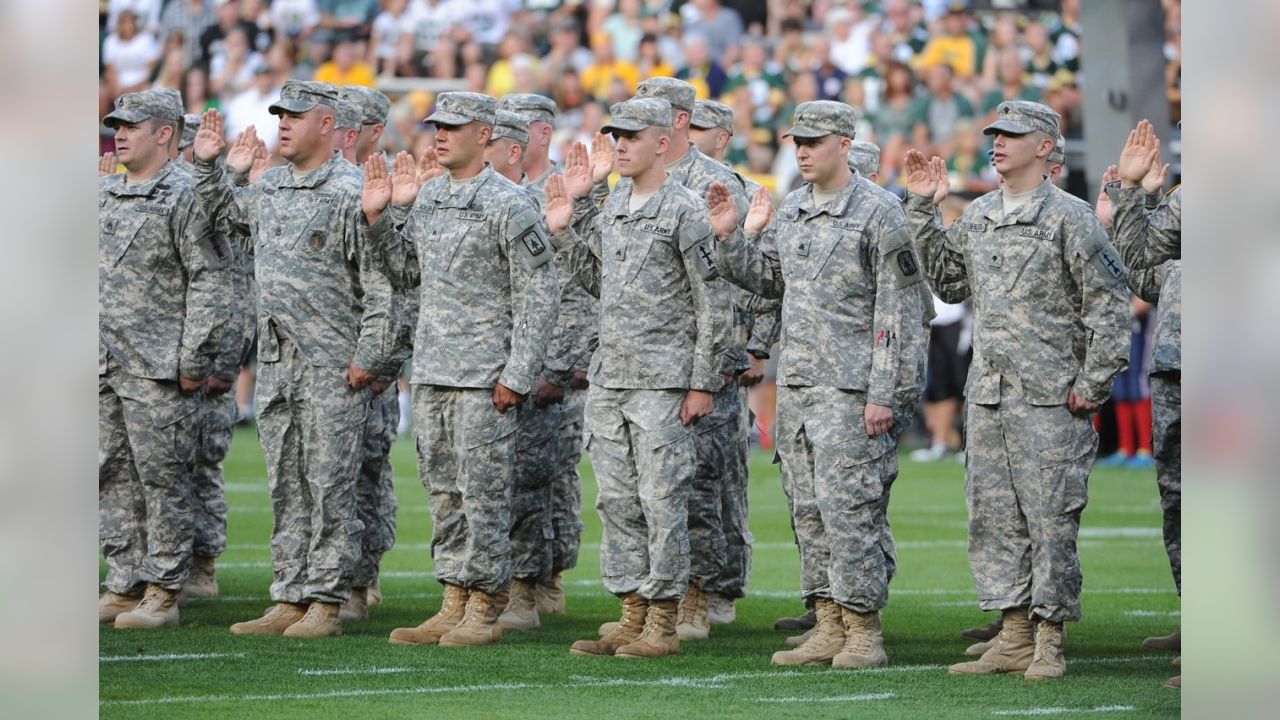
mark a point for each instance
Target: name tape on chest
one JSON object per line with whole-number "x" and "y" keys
{"x": 470, "y": 215}
{"x": 1035, "y": 232}
{"x": 152, "y": 208}
{"x": 656, "y": 229}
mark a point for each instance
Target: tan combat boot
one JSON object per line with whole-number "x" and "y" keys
{"x": 802, "y": 638}
{"x": 111, "y": 605}
{"x": 800, "y": 622}
{"x": 720, "y": 610}
{"x": 356, "y": 607}
{"x": 479, "y": 625}
{"x": 320, "y": 621}
{"x": 159, "y": 608}
{"x": 608, "y": 627}
{"x": 691, "y": 618}
{"x": 201, "y": 582}
{"x": 634, "y": 609}
{"x": 659, "y": 638}
{"x": 522, "y": 611}
{"x": 549, "y": 596}
{"x": 374, "y": 595}
{"x": 863, "y": 641}
{"x": 984, "y": 633}
{"x": 1012, "y": 652}
{"x": 1174, "y": 683}
{"x": 452, "y": 608}
{"x": 1049, "y": 662}
{"x": 824, "y": 644}
{"x": 274, "y": 621}
{"x": 1172, "y": 642}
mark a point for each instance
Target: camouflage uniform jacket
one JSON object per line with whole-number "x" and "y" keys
{"x": 487, "y": 289}
{"x": 846, "y": 274}
{"x": 164, "y": 278}
{"x": 1163, "y": 285}
{"x": 1050, "y": 306}
{"x": 662, "y": 325}
{"x": 1146, "y": 238}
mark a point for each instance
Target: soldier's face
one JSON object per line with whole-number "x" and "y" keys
{"x": 458, "y": 146}
{"x": 705, "y": 139}
{"x": 138, "y": 144}
{"x": 368, "y": 143}
{"x": 504, "y": 155}
{"x": 1012, "y": 153}
{"x": 637, "y": 151}
{"x": 301, "y": 135}
{"x": 821, "y": 159}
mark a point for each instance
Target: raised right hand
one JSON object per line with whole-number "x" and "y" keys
{"x": 760, "y": 214}
{"x": 1102, "y": 206}
{"x": 261, "y": 162}
{"x": 938, "y": 171}
{"x": 107, "y": 163}
{"x": 724, "y": 216}
{"x": 210, "y": 139}
{"x": 1141, "y": 150}
{"x": 240, "y": 156}
{"x": 558, "y": 209}
{"x": 920, "y": 180}
{"x": 404, "y": 180}
{"x": 377, "y": 188}
{"x": 577, "y": 172}
{"x": 603, "y": 157}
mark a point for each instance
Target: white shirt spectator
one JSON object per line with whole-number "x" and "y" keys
{"x": 243, "y": 76}
{"x": 131, "y": 59}
{"x": 946, "y": 313}
{"x": 294, "y": 17}
{"x": 488, "y": 20}
{"x": 147, "y": 12}
{"x": 388, "y": 29}
{"x": 430, "y": 20}
{"x": 250, "y": 108}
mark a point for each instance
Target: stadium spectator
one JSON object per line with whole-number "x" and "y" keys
{"x": 233, "y": 64}
{"x": 626, "y": 28}
{"x": 146, "y": 13}
{"x": 949, "y": 356}
{"x": 954, "y": 47}
{"x": 830, "y": 78}
{"x": 758, "y": 79}
{"x": 850, "y": 38}
{"x": 251, "y": 106}
{"x": 294, "y": 19}
{"x": 649, "y": 59}
{"x": 721, "y": 26}
{"x": 227, "y": 15}
{"x": 129, "y": 54}
{"x": 941, "y": 110}
{"x": 346, "y": 67}
{"x": 390, "y": 42}
{"x": 598, "y": 80}
{"x": 187, "y": 19}
{"x": 1009, "y": 82}
{"x": 700, "y": 69}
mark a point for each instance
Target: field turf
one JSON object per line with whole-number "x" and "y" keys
{"x": 202, "y": 671}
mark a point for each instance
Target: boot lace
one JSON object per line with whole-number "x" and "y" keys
{"x": 1046, "y": 641}
{"x": 475, "y": 608}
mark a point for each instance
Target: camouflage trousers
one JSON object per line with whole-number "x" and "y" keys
{"x": 566, "y": 486}
{"x": 644, "y": 461}
{"x": 145, "y": 431}
{"x": 1166, "y": 417}
{"x": 733, "y": 510}
{"x": 311, "y": 425}
{"x": 837, "y": 482}
{"x": 718, "y": 458}
{"x": 532, "y": 520}
{"x": 1026, "y": 483}
{"x": 466, "y": 455}
{"x": 214, "y": 425}
{"x": 376, "y": 504}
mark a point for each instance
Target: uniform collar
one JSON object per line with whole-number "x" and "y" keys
{"x": 314, "y": 178}
{"x": 144, "y": 189}
{"x": 1029, "y": 212}
{"x": 462, "y": 197}
{"x": 836, "y": 206}
{"x": 651, "y": 206}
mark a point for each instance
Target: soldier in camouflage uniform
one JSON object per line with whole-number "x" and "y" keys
{"x": 376, "y": 503}
{"x": 538, "y": 423}
{"x": 564, "y": 372}
{"x": 757, "y": 323}
{"x": 840, "y": 258}
{"x": 664, "y": 350}
{"x": 1050, "y": 332}
{"x": 325, "y": 333}
{"x": 474, "y": 245}
{"x": 718, "y": 435}
{"x": 1149, "y": 238}
{"x": 164, "y": 291}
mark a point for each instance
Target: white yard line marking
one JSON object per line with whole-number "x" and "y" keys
{"x": 1153, "y": 613}
{"x": 245, "y": 487}
{"x": 366, "y": 671}
{"x": 156, "y": 658}
{"x": 1094, "y": 533}
{"x": 1061, "y": 710}
{"x": 837, "y": 698}
{"x": 318, "y": 695}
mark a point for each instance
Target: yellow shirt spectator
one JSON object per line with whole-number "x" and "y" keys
{"x": 358, "y": 74}
{"x": 597, "y": 79}
{"x": 958, "y": 52}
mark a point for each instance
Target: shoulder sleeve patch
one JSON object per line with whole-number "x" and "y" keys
{"x": 905, "y": 266}
{"x": 525, "y": 230}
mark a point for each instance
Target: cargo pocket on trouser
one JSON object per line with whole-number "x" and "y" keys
{"x": 849, "y": 496}
{"x": 1065, "y": 448}
{"x": 488, "y": 441}
{"x": 665, "y": 461}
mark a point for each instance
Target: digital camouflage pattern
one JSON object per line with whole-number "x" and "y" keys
{"x": 1145, "y": 238}
{"x": 1051, "y": 315}
{"x": 566, "y": 486}
{"x": 851, "y": 322}
{"x": 214, "y": 424}
{"x": 322, "y": 304}
{"x": 532, "y": 520}
{"x": 376, "y": 503}
{"x": 163, "y": 308}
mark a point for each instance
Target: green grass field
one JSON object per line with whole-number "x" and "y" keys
{"x": 211, "y": 674}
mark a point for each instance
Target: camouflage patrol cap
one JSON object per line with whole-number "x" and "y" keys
{"x": 460, "y": 108}
{"x": 637, "y": 114}
{"x": 190, "y": 126}
{"x": 373, "y": 105}
{"x": 1019, "y": 117}
{"x": 821, "y": 118}
{"x": 864, "y": 157}
{"x": 677, "y": 92}
{"x": 530, "y": 106}
{"x": 1059, "y": 154}
{"x": 135, "y": 107}
{"x": 511, "y": 126}
{"x": 347, "y": 115}
{"x": 709, "y": 114}
{"x": 299, "y": 96}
